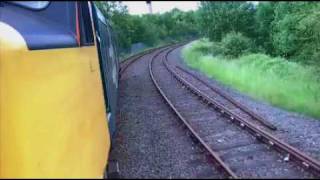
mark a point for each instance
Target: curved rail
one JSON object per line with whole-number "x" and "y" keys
{"x": 294, "y": 154}
{"x": 213, "y": 154}
{"x": 134, "y": 57}
{"x": 126, "y": 63}
{"x": 232, "y": 101}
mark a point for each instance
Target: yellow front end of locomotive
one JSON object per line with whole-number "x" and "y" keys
{"x": 52, "y": 112}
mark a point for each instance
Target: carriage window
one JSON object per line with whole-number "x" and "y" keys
{"x": 85, "y": 25}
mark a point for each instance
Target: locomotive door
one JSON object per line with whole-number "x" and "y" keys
{"x": 107, "y": 66}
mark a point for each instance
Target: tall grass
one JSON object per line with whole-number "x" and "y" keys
{"x": 282, "y": 83}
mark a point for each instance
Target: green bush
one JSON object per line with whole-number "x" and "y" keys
{"x": 235, "y": 44}
{"x": 295, "y": 31}
{"x": 207, "y": 47}
{"x": 204, "y": 47}
{"x": 216, "y": 48}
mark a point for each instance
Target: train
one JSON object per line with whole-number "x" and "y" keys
{"x": 59, "y": 71}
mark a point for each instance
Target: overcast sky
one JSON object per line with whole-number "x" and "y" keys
{"x": 140, "y": 7}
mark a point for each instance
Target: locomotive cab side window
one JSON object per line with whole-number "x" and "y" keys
{"x": 33, "y": 5}
{"x": 86, "y": 32}
{"x": 45, "y": 26}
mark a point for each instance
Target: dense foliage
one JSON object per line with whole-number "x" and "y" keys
{"x": 149, "y": 29}
{"x": 219, "y": 18}
{"x": 269, "y": 51}
{"x": 263, "y": 49}
{"x": 286, "y": 29}
{"x": 235, "y": 44}
{"x": 295, "y": 32}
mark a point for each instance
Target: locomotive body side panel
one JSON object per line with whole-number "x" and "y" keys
{"x": 52, "y": 112}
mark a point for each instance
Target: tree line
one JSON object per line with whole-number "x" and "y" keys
{"x": 150, "y": 29}
{"x": 286, "y": 29}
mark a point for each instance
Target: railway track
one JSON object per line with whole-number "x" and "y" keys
{"x": 128, "y": 61}
{"x": 238, "y": 146}
{"x": 225, "y": 99}
{"x": 186, "y": 160}
{"x": 226, "y": 170}
{"x": 131, "y": 59}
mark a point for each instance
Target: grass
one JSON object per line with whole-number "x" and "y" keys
{"x": 282, "y": 83}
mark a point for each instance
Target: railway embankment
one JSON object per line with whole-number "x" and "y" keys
{"x": 152, "y": 141}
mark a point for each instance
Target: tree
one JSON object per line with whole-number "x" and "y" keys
{"x": 295, "y": 32}
{"x": 264, "y": 17}
{"x": 118, "y": 16}
{"x": 149, "y": 29}
{"x": 219, "y": 18}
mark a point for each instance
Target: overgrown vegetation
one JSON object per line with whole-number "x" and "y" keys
{"x": 283, "y": 83}
{"x": 235, "y": 44}
{"x": 149, "y": 29}
{"x": 286, "y": 29}
{"x": 270, "y": 50}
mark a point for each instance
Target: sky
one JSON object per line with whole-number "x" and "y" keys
{"x": 140, "y": 7}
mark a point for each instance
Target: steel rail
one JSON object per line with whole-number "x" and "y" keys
{"x": 292, "y": 153}
{"x": 213, "y": 154}
{"x": 255, "y": 116}
{"x": 126, "y": 63}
